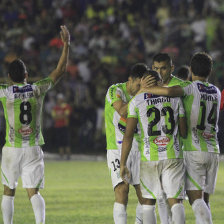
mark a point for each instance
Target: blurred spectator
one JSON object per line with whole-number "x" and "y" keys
{"x": 61, "y": 115}
{"x": 107, "y": 37}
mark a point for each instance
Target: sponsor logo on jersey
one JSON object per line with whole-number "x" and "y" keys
{"x": 161, "y": 149}
{"x": 147, "y": 96}
{"x": 25, "y": 131}
{"x": 122, "y": 125}
{"x": 23, "y": 89}
{"x": 206, "y": 89}
{"x": 161, "y": 141}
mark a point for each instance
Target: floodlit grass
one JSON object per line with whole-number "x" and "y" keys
{"x": 81, "y": 193}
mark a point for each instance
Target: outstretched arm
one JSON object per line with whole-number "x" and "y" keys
{"x": 62, "y": 63}
{"x": 165, "y": 91}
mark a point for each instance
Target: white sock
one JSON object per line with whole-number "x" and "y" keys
{"x": 149, "y": 214}
{"x": 38, "y": 205}
{"x": 120, "y": 214}
{"x": 178, "y": 214}
{"x": 164, "y": 211}
{"x": 201, "y": 212}
{"x": 7, "y": 209}
{"x": 139, "y": 214}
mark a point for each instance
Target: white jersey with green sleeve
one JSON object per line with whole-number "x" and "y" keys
{"x": 22, "y": 104}
{"x": 202, "y": 102}
{"x": 158, "y": 119}
{"x": 114, "y": 123}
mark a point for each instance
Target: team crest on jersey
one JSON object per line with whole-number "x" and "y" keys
{"x": 161, "y": 141}
{"x": 206, "y": 89}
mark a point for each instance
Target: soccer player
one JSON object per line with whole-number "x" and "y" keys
{"x": 116, "y": 103}
{"x": 22, "y": 154}
{"x": 201, "y": 148}
{"x": 162, "y": 167}
{"x": 162, "y": 63}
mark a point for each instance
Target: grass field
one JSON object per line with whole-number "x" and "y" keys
{"x": 81, "y": 193}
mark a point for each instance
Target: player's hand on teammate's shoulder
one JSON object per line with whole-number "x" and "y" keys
{"x": 65, "y": 35}
{"x": 124, "y": 173}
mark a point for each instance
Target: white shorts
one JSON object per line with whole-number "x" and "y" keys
{"x": 164, "y": 176}
{"x": 201, "y": 170}
{"x": 133, "y": 165}
{"x": 25, "y": 162}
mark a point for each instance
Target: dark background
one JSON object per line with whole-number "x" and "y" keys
{"x": 107, "y": 38}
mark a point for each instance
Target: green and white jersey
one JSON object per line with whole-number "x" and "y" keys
{"x": 202, "y": 103}
{"x": 22, "y": 104}
{"x": 158, "y": 119}
{"x": 174, "y": 81}
{"x": 114, "y": 123}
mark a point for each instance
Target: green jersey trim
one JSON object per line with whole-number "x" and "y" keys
{"x": 150, "y": 192}
{"x": 193, "y": 181}
{"x": 5, "y": 177}
{"x": 17, "y": 125}
{"x": 178, "y": 193}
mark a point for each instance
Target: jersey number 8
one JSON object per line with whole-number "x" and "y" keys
{"x": 25, "y": 116}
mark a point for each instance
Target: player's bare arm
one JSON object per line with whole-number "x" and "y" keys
{"x": 222, "y": 101}
{"x": 62, "y": 63}
{"x": 183, "y": 126}
{"x": 174, "y": 91}
{"x": 126, "y": 147}
{"x": 121, "y": 108}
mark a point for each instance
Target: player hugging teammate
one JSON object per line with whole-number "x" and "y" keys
{"x": 160, "y": 121}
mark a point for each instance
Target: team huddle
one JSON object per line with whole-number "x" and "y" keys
{"x": 162, "y": 139}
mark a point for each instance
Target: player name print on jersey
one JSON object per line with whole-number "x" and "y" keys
{"x": 154, "y": 99}
{"x": 22, "y": 92}
{"x": 205, "y": 90}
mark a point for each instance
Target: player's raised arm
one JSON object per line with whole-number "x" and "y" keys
{"x": 174, "y": 91}
{"x": 62, "y": 63}
{"x": 126, "y": 147}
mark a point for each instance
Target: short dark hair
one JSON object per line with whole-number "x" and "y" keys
{"x": 201, "y": 64}
{"x": 153, "y": 73}
{"x": 138, "y": 70}
{"x": 183, "y": 72}
{"x": 162, "y": 57}
{"x": 17, "y": 70}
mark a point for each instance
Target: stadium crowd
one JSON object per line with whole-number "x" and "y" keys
{"x": 107, "y": 38}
